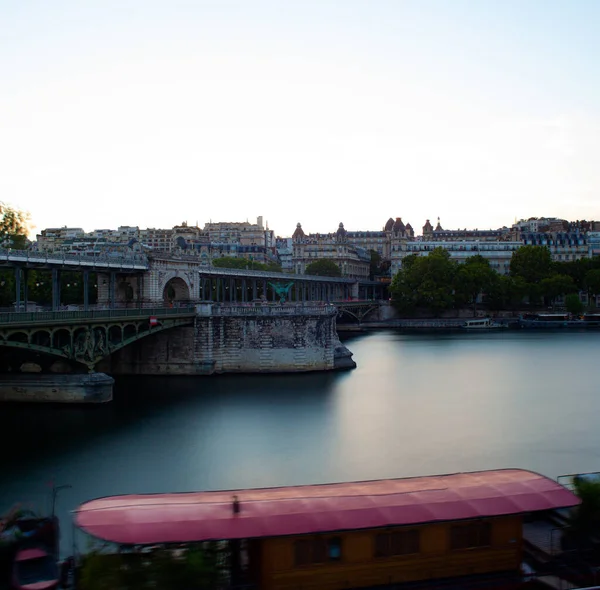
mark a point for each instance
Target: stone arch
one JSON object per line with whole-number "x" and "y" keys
{"x": 176, "y": 288}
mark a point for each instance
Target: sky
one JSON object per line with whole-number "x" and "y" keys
{"x": 148, "y": 113}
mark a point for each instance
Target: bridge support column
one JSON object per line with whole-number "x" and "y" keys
{"x": 25, "y": 287}
{"x": 264, "y": 290}
{"x": 86, "y": 290}
{"x": 254, "y": 293}
{"x": 244, "y": 291}
{"x": 111, "y": 289}
{"x": 18, "y": 288}
{"x": 140, "y": 290}
{"x": 55, "y": 289}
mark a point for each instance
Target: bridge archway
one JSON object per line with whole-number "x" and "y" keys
{"x": 176, "y": 289}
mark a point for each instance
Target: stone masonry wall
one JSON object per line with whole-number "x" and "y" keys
{"x": 233, "y": 344}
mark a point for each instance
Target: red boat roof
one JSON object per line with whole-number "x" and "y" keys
{"x": 272, "y": 512}
{"x": 33, "y": 553}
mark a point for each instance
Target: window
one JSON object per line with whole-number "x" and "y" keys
{"x": 473, "y": 534}
{"x": 397, "y": 543}
{"x": 317, "y": 550}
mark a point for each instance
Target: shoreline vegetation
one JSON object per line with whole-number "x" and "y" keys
{"x": 437, "y": 286}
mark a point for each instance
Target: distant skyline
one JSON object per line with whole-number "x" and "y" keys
{"x": 148, "y": 113}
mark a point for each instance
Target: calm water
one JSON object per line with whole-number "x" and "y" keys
{"x": 416, "y": 404}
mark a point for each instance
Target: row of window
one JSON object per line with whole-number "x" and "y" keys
{"x": 388, "y": 544}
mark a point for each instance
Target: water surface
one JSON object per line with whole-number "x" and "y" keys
{"x": 417, "y": 404}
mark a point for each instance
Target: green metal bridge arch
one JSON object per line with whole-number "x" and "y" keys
{"x": 87, "y": 337}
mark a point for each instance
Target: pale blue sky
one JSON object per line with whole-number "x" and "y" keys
{"x": 139, "y": 112}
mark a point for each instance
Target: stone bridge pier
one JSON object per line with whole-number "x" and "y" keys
{"x": 239, "y": 339}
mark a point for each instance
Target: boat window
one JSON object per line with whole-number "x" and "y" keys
{"x": 468, "y": 536}
{"x": 397, "y": 543}
{"x": 317, "y": 550}
{"x": 302, "y": 553}
{"x": 334, "y": 547}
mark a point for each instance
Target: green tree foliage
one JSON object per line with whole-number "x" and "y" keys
{"x": 39, "y": 288}
{"x": 573, "y": 304}
{"x": 584, "y": 521}
{"x": 378, "y": 266}
{"x": 375, "y": 264}
{"x": 13, "y": 227}
{"x": 472, "y": 278}
{"x": 425, "y": 281}
{"x": 531, "y": 263}
{"x": 592, "y": 281}
{"x": 323, "y": 268}
{"x": 244, "y": 264}
{"x": 556, "y": 285}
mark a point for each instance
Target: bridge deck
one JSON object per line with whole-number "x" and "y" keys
{"x": 63, "y": 317}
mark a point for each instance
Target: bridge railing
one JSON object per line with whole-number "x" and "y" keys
{"x": 53, "y": 316}
{"x": 271, "y": 309}
{"x": 133, "y": 260}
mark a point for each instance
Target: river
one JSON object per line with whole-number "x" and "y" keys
{"x": 417, "y": 404}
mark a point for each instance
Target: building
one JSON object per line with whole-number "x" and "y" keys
{"x": 353, "y": 261}
{"x": 563, "y": 246}
{"x": 498, "y": 253}
{"x": 462, "y": 235}
{"x": 53, "y": 238}
{"x": 285, "y": 250}
{"x": 496, "y": 246}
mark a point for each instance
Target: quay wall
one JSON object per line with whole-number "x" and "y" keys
{"x": 239, "y": 339}
{"x": 74, "y": 388}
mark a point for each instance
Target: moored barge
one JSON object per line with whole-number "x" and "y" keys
{"x": 457, "y": 528}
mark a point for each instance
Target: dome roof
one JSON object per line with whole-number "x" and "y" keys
{"x": 398, "y": 225}
{"x": 299, "y": 233}
{"x": 341, "y": 232}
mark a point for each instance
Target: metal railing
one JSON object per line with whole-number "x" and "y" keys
{"x": 216, "y": 271}
{"x": 55, "y": 316}
{"x": 137, "y": 261}
{"x": 289, "y": 309}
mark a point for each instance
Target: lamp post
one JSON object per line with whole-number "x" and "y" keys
{"x": 55, "y": 490}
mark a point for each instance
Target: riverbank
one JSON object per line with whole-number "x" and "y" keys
{"x": 416, "y": 324}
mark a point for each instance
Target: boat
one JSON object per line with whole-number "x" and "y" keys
{"x": 483, "y": 324}
{"x": 559, "y": 320}
{"x": 29, "y": 549}
{"x": 35, "y": 568}
{"x": 463, "y": 528}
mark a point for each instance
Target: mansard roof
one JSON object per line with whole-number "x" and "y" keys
{"x": 389, "y": 225}
{"x": 398, "y": 225}
{"x": 298, "y": 233}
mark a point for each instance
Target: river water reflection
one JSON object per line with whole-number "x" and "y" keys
{"x": 417, "y": 404}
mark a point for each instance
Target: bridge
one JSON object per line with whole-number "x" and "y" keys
{"x": 162, "y": 280}
{"x": 87, "y": 337}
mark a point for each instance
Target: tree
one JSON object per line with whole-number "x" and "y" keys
{"x": 375, "y": 264}
{"x": 584, "y": 520}
{"x": 13, "y": 227}
{"x": 592, "y": 282}
{"x": 531, "y": 263}
{"x": 244, "y": 264}
{"x": 323, "y": 268}
{"x": 556, "y": 285}
{"x": 472, "y": 278}
{"x": 425, "y": 281}
{"x": 573, "y": 304}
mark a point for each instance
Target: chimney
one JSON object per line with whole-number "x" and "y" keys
{"x": 236, "y": 505}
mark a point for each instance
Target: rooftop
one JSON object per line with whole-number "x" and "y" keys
{"x": 296, "y": 510}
